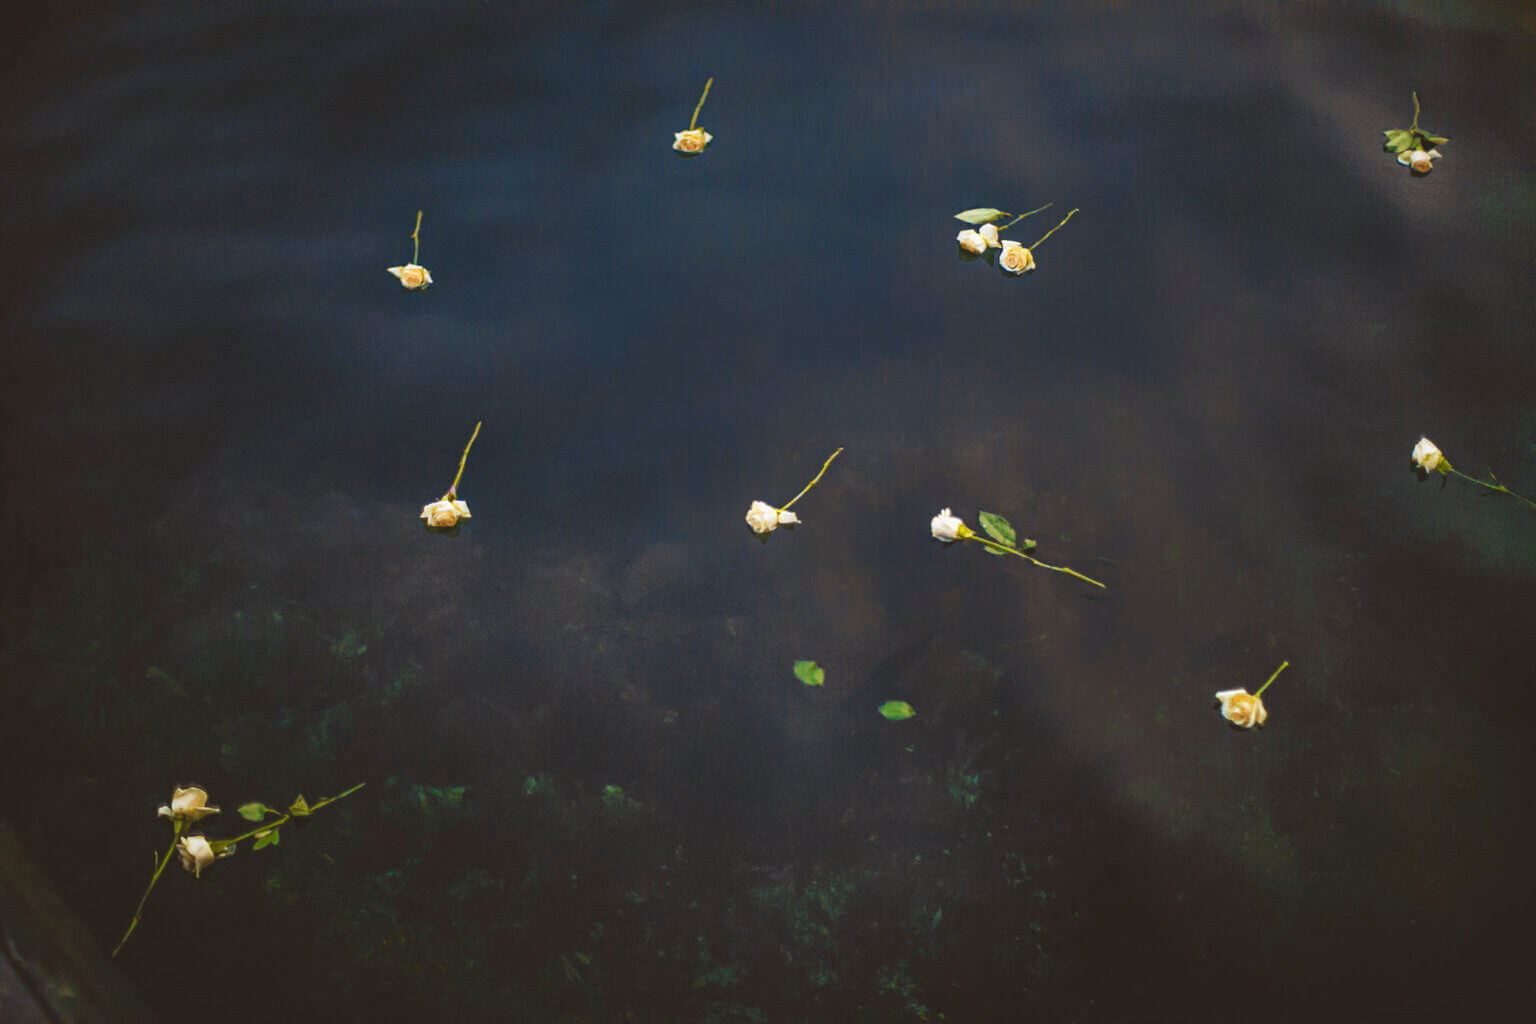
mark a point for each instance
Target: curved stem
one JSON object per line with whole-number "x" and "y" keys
{"x": 175, "y": 837}
{"x": 1015, "y": 551}
{"x": 700, "y": 107}
{"x": 332, "y": 799}
{"x": 1272, "y": 678}
{"x": 1494, "y": 487}
{"x": 416, "y": 239}
{"x": 1053, "y": 230}
{"x": 1021, "y": 216}
{"x": 452, "y": 491}
{"x": 808, "y": 486}
{"x": 220, "y": 844}
{"x": 1415, "y": 126}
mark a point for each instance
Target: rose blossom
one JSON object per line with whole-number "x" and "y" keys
{"x": 190, "y": 804}
{"x": 441, "y": 515}
{"x": 947, "y": 527}
{"x": 1242, "y": 708}
{"x": 413, "y": 278}
{"x": 1015, "y": 259}
{"x": 692, "y": 141}
{"x": 1429, "y": 458}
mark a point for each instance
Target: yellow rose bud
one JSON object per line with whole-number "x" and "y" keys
{"x": 691, "y": 142}
{"x": 1242, "y": 708}
{"x": 413, "y": 278}
{"x": 1015, "y": 259}
{"x": 445, "y": 514}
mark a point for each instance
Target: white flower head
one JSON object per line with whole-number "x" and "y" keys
{"x": 195, "y": 854}
{"x": 190, "y": 804}
{"x": 445, "y": 514}
{"x": 413, "y": 278}
{"x": 1015, "y": 259}
{"x": 1429, "y": 458}
{"x": 947, "y": 527}
{"x": 972, "y": 242}
{"x": 691, "y": 141}
{"x": 764, "y": 518}
{"x": 1420, "y": 161}
{"x": 988, "y": 234}
{"x": 1242, "y": 708}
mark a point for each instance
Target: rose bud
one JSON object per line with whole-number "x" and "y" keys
{"x": 445, "y": 514}
{"x": 1015, "y": 259}
{"x": 691, "y": 142}
{"x": 1242, "y": 708}
{"x": 413, "y": 278}
{"x": 190, "y": 804}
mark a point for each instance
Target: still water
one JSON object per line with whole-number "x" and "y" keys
{"x": 595, "y": 789}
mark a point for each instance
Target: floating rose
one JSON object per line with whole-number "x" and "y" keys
{"x": 1245, "y": 709}
{"x": 948, "y": 527}
{"x": 190, "y": 804}
{"x": 1415, "y": 147}
{"x": 1015, "y": 259}
{"x": 764, "y": 518}
{"x": 1429, "y": 459}
{"x": 413, "y": 277}
{"x": 971, "y": 241}
{"x": 693, "y": 141}
{"x": 443, "y": 515}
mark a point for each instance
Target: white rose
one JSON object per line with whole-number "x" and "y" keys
{"x": 989, "y": 235}
{"x": 692, "y": 141}
{"x": 1419, "y": 160}
{"x": 1015, "y": 259}
{"x": 972, "y": 242}
{"x": 947, "y": 527}
{"x": 413, "y": 278}
{"x": 1429, "y": 458}
{"x": 442, "y": 515}
{"x": 190, "y": 804}
{"x": 1242, "y": 708}
{"x": 764, "y": 518}
{"x": 195, "y": 854}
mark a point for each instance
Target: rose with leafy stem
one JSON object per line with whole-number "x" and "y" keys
{"x": 948, "y": 527}
{"x": 764, "y": 518}
{"x": 977, "y": 241}
{"x": 413, "y": 277}
{"x": 443, "y": 515}
{"x": 197, "y": 851}
{"x": 1427, "y": 458}
{"x": 693, "y": 141}
{"x": 1415, "y": 147}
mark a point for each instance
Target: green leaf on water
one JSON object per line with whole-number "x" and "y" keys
{"x": 1433, "y": 140}
{"x": 809, "y": 673}
{"x": 267, "y": 839}
{"x": 1398, "y": 140}
{"x": 980, "y": 215}
{"x": 1000, "y": 529}
{"x": 254, "y": 811}
{"x": 897, "y": 710}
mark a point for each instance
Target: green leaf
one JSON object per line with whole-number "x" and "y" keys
{"x": 1398, "y": 140}
{"x": 254, "y": 811}
{"x": 980, "y": 215}
{"x": 300, "y": 807}
{"x": 1000, "y": 529}
{"x": 897, "y": 710}
{"x": 1435, "y": 140}
{"x": 267, "y": 839}
{"x": 809, "y": 673}
{"x": 1028, "y": 545}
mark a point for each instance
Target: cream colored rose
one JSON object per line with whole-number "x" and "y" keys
{"x": 1419, "y": 160}
{"x": 764, "y": 518}
{"x": 195, "y": 854}
{"x": 971, "y": 242}
{"x": 413, "y": 278}
{"x": 692, "y": 141}
{"x": 1242, "y": 708}
{"x": 190, "y": 804}
{"x": 988, "y": 234}
{"x": 1429, "y": 458}
{"x": 442, "y": 515}
{"x": 1015, "y": 259}
{"x": 947, "y": 527}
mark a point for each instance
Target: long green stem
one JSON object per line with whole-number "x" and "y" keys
{"x": 1021, "y": 216}
{"x": 1494, "y": 487}
{"x": 1415, "y": 126}
{"x": 416, "y": 239}
{"x": 332, "y": 799}
{"x": 175, "y": 838}
{"x": 700, "y": 107}
{"x": 1015, "y": 551}
{"x": 454, "y": 489}
{"x": 808, "y": 486}
{"x": 1053, "y": 230}
{"x": 1272, "y": 678}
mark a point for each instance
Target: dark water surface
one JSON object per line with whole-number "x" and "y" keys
{"x": 223, "y": 417}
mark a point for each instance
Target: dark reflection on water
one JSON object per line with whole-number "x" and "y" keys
{"x": 226, "y": 416}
